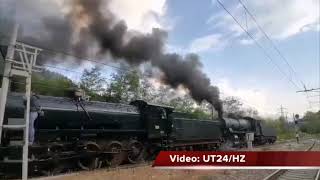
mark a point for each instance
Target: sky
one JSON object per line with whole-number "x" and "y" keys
{"x": 256, "y": 74}
{"x": 233, "y": 60}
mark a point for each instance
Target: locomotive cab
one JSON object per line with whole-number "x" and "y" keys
{"x": 156, "y": 118}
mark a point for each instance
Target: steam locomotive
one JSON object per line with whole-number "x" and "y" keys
{"x": 85, "y": 134}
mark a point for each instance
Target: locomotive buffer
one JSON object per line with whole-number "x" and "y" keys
{"x": 20, "y": 61}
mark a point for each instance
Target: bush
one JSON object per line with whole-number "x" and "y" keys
{"x": 284, "y": 130}
{"x": 311, "y": 123}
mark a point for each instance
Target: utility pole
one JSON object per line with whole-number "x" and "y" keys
{"x": 283, "y": 117}
{"x": 316, "y": 90}
{"x": 282, "y": 112}
{"x": 6, "y": 74}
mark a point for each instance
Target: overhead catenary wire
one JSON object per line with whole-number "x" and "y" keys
{"x": 258, "y": 45}
{"x": 271, "y": 42}
{"x": 274, "y": 46}
{"x": 67, "y": 69}
{"x": 124, "y": 69}
{"x": 49, "y": 50}
{"x": 263, "y": 50}
{"x": 56, "y": 52}
{"x": 74, "y": 71}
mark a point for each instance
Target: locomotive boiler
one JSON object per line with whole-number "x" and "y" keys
{"x": 236, "y": 130}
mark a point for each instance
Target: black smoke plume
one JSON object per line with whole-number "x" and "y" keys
{"x": 112, "y": 36}
{"x": 177, "y": 70}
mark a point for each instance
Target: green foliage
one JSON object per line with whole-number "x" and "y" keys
{"x": 311, "y": 123}
{"x": 93, "y": 83}
{"x": 147, "y": 90}
{"x": 44, "y": 83}
{"x": 183, "y": 104}
{"x": 124, "y": 87}
{"x": 283, "y": 129}
{"x": 201, "y": 114}
{"x": 91, "y": 80}
{"x": 233, "y": 107}
{"x": 187, "y": 105}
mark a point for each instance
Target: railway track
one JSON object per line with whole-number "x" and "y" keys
{"x": 296, "y": 174}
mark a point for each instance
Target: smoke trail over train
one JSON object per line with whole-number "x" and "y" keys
{"x": 102, "y": 29}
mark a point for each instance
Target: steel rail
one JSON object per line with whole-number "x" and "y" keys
{"x": 286, "y": 174}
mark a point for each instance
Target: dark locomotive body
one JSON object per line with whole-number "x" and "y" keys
{"x": 64, "y": 120}
{"x": 236, "y": 130}
{"x": 94, "y": 134}
{"x": 195, "y": 133}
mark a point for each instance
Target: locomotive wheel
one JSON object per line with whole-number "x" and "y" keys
{"x": 227, "y": 145}
{"x": 103, "y": 159}
{"x": 89, "y": 163}
{"x": 55, "y": 147}
{"x": 150, "y": 152}
{"x": 53, "y": 170}
{"x": 55, "y": 167}
{"x": 136, "y": 152}
{"x": 118, "y": 156}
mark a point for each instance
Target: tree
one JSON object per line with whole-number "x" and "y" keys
{"x": 282, "y": 132}
{"x": 44, "y": 83}
{"x": 200, "y": 113}
{"x": 125, "y": 86}
{"x": 93, "y": 83}
{"x": 311, "y": 122}
{"x": 187, "y": 105}
{"x": 251, "y": 112}
{"x": 147, "y": 90}
{"x": 232, "y": 106}
{"x": 162, "y": 95}
{"x": 183, "y": 103}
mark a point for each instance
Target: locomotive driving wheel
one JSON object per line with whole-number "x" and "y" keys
{"x": 51, "y": 171}
{"x": 136, "y": 151}
{"x": 117, "y": 156}
{"x": 55, "y": 167}
{"x": 89, "y": 162}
